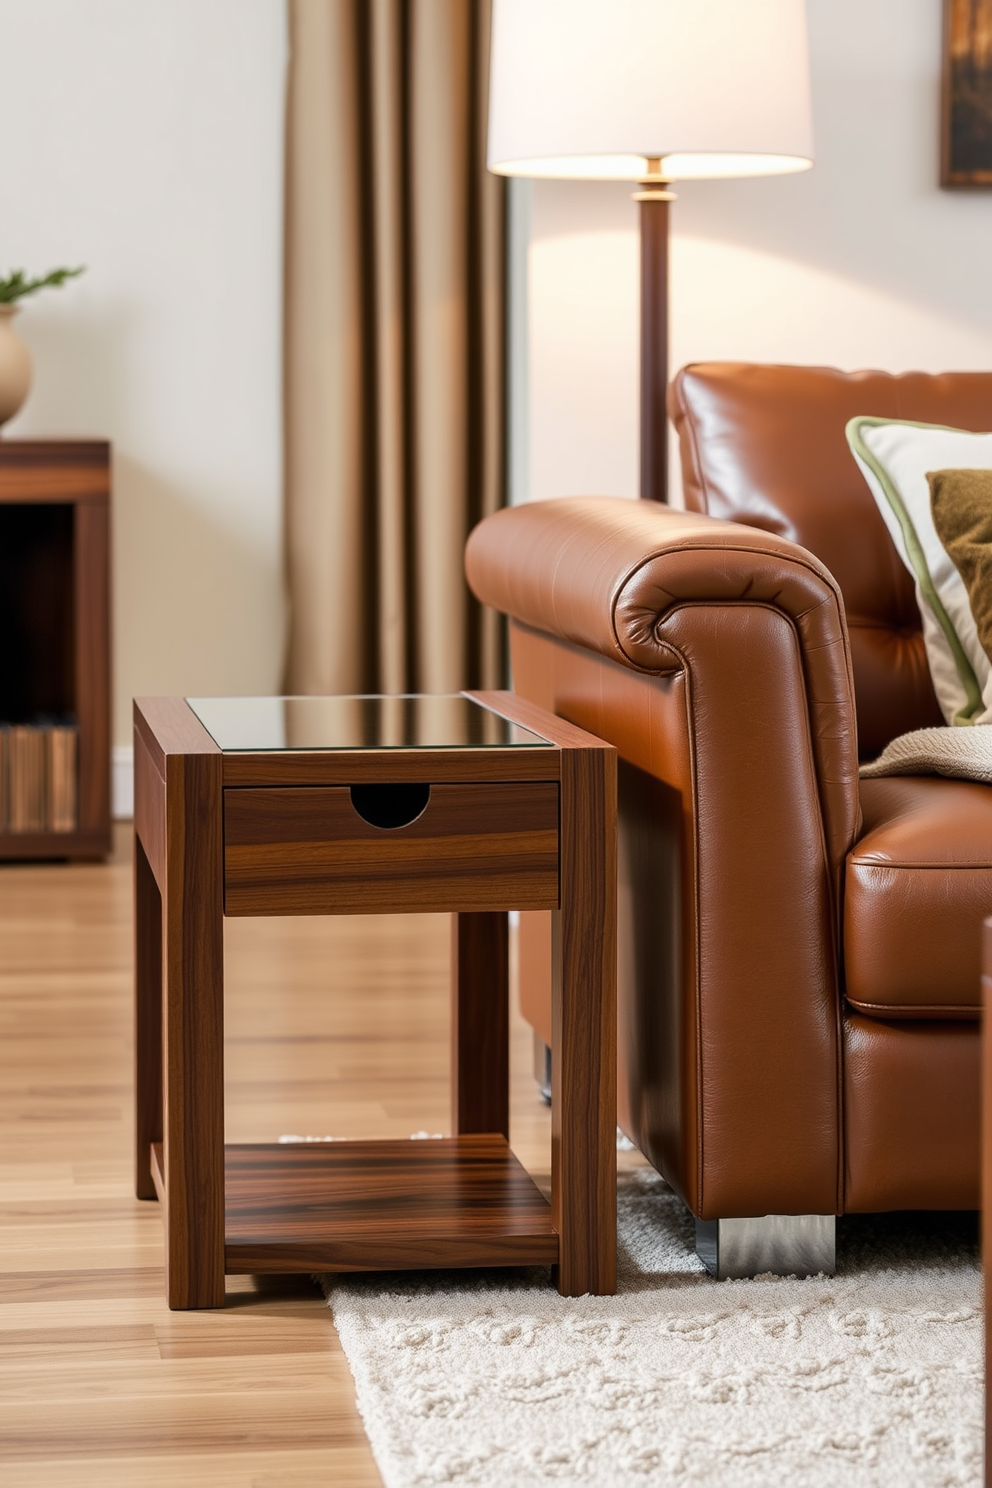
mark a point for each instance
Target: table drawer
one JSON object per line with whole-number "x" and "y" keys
{"x": 296, "y": 850}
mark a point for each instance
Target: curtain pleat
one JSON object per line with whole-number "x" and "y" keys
{"x": 394, "y": 376}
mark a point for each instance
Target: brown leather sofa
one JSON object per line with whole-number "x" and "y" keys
{"x": 800, "y": 950}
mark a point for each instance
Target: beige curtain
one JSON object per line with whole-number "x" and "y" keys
{"x": 393, "y": 345}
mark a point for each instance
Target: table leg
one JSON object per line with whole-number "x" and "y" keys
{"x": 480, "y": 1026}
{"x": 194, "y": 1032}
{"x": 147, "y": 1020}
{"x": 583, "y": 1026}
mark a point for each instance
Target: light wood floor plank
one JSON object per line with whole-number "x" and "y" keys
{"x": 342, "y": 1467}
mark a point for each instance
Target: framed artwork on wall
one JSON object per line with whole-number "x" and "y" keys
{"x": 966, "y": 104}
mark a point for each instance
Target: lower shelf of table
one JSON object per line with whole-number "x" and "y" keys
{"x": 380, "y": 1205}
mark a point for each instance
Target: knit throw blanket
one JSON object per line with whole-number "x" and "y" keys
{"x": 962, "y": 753}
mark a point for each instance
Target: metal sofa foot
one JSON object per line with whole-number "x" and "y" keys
{"x": 542, "y": 1068}
{"x": 785, "y": 1244}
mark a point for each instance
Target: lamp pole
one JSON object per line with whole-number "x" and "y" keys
{"x": 653, "y": 199}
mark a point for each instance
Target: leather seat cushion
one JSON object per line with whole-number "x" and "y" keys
{"x": 919, "y": 884}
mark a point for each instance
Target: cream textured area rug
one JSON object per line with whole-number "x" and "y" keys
{"x": 872, "y": 1377}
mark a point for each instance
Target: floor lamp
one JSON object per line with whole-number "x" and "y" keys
{"x": 652, "y": 91}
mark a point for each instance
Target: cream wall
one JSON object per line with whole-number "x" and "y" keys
{"x": 144, "y": 139}
{"x": 860, "y": 262}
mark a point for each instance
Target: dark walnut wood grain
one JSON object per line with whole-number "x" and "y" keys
{"x": 39, "y": 846}
{"x": 383, "y": 1205}
{"x": 92, "y": 662}
{"x": 149, "y": 806}
{"x": 156, "y": 1162}
{"x": 147, "y": 1020}
{"x": 307, "y": 851}
{"x": 193, "y": 1041}
{"x": 584, "y": 1026}
{"x": 557, "y": 731}
{"x": 583, "y": 1002}
{"x": 76, "y": 474}
{"x": 168, "y": 726}
{"x": 179, "y": 827}
{"x": 54, "y": 470}
{"x": 480, "y": 1024}
{"x": 535, "y": 828}
{"x": 354, "y": 766}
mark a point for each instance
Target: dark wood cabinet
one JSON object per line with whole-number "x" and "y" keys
{"x": 55, "y": 621}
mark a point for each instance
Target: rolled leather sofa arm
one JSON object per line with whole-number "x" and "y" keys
{"x": 715, "y": 657}
{"x": 603, "y": 572}
{"x": 611, "y": 574}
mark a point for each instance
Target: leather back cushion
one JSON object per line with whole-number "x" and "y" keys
{"x": 765, "y": 445}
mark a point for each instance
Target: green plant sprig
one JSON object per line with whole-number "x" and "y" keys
{"x": 16, "y": 285}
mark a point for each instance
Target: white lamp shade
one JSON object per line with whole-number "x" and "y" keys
{"x": 597, "y": 88}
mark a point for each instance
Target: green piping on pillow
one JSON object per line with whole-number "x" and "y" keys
{"x": 917, "y": 558}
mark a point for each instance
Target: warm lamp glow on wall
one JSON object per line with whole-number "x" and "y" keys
{"x": 652, "y": 91}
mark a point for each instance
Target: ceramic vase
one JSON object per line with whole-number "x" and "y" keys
{"x": 15, "y": 366}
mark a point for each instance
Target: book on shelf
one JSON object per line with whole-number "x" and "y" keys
{"x": 63, "y": 748}
{"x": 26, "y": 778}
{"x": 39, "y": 789}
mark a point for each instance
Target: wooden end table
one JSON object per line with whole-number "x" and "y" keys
{"x": 473, "y": 804}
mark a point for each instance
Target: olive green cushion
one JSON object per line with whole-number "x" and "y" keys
{"x": 961, "y": 503}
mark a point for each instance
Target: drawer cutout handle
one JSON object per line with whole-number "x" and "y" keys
{"x": 390, "y": 806}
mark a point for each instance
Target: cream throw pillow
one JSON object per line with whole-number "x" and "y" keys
{"x": 895, "y": 457}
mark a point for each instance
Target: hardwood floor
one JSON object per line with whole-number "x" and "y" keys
{"x": 335, "y": 1027}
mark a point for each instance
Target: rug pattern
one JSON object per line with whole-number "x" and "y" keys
{"x": 871, "y": 1377}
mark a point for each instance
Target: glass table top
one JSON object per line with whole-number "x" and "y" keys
{"x": 412, "y": 721}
